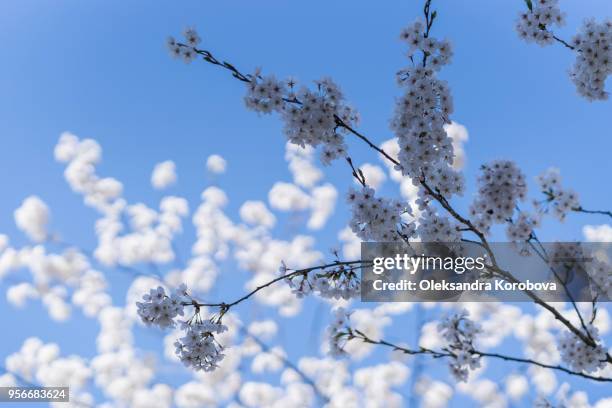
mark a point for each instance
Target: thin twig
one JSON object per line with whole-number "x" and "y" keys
{"x": 227, "y": 306}
{"x": 445, "y": 354}
{"x": 539, "y": 364}
{"x": 561, "y": 41}
{"x": 602, "y": 212}
{"x": 563, "y": 282}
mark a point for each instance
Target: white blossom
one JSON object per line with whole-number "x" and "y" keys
{"x": 501, "y": 185}
{"x": 19, "y": 294}
{"x": 337, "y": 332}
{"x": 378, "y": 219}
{"x": 579, "y": 355}
{"x": 425, "y": 149}
{"x": 592, "y": 45}
{"x": 310, "y": 116}
{"x": 533, "y": 24}
{"x": 600, "y": 278}
{"x": 199, "y": 349}
{"x": 186, "y": 49}
{"x": 263, "y": 329}
{"x": 164, "y": 175}
{"x": 561, "y": 199}
{"x": 338, "y": 282}
{"x": 173, "y": 47}
{"x": 436, "y": 228}
{"x": 160, "y": 309}
{"x": 522, "y": 227}
{"x": 459, "y": 332}
{"x": 191, "y": 36}
{"x": 216, "y": 164}
{"x": 40, "y": 362}
{"x": 593, "y": 65}
{"x": 516, "y": 386}
{"x": 82, "y": 156}
{"x": 256, "y": 213}
{"x": 32, "y": 218}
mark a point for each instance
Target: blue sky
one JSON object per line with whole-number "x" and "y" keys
{"x": 100, "y": 69}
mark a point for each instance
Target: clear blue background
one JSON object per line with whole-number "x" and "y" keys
{"x": 100, "y": 69}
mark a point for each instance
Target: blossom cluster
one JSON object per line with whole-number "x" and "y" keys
{"x": 592, "y": 44}
{"x": 459, "y": 332}
{"x": 81, "y": 157}
{"x": 579, "y": 355}
{"x": 160, "y": 309}
{"x": 501, "y": 184}
{"x": 532, "y": 24}
{"x": 593, "y": 62}
{"x": 377, "y": 218}
{"x": 339, "y": 282}
{"x": 439, "y": 52}
{"x": 184, "y": 50}
{"x": 521, "y": 229}
{"x": 310, "y": 116}
{"x": 561, "y": 199}
{"x": 152, "y": 232}
{"x": 199, "y": 349}
{"x": 565, "y": 259}
{"x": 426, "y": 151}
{"x": 564, "y": 256}
{"x": 434, "y": 227}
{"x": 42, "y": 363}
{"x": 337, "y": 332}
{"x": 32, "y": 218}
{"x": 600, "y": 276}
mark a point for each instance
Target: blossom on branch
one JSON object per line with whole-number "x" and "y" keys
{"x": 199, "y": 349}
{"x": 377, "y": 218}
{"x": 522, "y": 228}
{"x": 593, "y": 63}
{"x": 426, "y": 150}
{"x": 592, "y": 45}
{"x": 459, "y": 332}
{"x": 579, "y": 355}
{"x": 310, "y": 117}
{"x": 561, "y": 199}
{"x": 160, "y": 309}
{"x": 532, "y": 24}
{"x": 335, "y": 282}
{"x": 337, "y": 332}
{"x": 501, "y": 184}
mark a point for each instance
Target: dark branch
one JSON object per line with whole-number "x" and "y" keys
{"x": 445, "y": 354}
{"x": 226, "y": 306}
{"x": 602, "y": 212}
{"x": 435, "y": 194}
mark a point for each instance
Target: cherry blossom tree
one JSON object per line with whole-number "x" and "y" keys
{"x": 211, "y": 334}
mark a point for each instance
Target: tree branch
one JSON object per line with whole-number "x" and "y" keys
{"x": 438, "y": 197}
{"x": 226, "y": 306}
{"x": 563, "y": 42}
{"x": 444, "y": 354}
{"x": 582, "y": 210}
